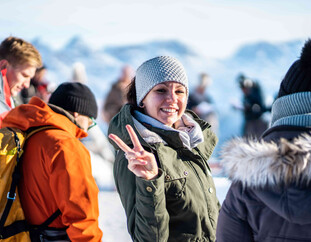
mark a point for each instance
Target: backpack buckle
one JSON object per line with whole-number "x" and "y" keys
{"x": 12, "y": 198}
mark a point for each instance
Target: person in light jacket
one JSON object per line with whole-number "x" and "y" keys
{"x": 161, "y": 169}
{"x": 270, "y": 195}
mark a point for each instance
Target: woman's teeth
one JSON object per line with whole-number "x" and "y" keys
{"x": 169, "y": 110}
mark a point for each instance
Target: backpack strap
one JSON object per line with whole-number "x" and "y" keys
{"x": 15, "y": 179}
{"x": 42, "y": 231}
{"x": 22, "y": 226}
{"x": 47, "y": 222}
{"x": 14, "y": 228}
{"x": 33, "y": 130}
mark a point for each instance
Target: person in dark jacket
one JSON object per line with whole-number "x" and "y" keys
{"x": 161, "y": 169}
{"x": 201, "y": 102}
{"x": 116, "y": 97}
{"x": 253, "y": 107}
{"x": 270, "y": 195}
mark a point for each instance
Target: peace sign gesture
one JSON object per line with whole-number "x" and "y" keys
{"x": 142, "y": 163}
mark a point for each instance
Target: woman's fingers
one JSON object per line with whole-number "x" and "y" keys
{"x": 140, "y": 162}
{"x": 137, "y": 146}
{"x": 134, "y": 138}
{"x": 120, "y": 143}
{"x": 135, "y": 162}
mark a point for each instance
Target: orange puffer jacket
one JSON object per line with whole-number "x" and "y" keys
{"x": 56, "y": 172}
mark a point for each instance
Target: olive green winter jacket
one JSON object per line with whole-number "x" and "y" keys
{"x": 181, "y": 204}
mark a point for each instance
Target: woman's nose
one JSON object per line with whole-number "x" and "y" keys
{"x": 26, "y": 83}
{"x": 172, "y": 97}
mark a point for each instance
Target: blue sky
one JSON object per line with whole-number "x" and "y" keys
{"x": 213, "y": 27}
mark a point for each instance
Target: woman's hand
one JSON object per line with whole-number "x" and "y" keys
{"x": 142, "y": 163}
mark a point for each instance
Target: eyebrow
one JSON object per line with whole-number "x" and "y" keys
{"x": 168, "y": 82}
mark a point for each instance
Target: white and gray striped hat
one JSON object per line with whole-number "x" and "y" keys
{"x": 158, "y": 70}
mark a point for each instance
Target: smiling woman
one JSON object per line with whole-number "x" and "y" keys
{"x": 161, "y": 171}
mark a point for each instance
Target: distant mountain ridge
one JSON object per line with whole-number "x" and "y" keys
{"x": 106, "y": 62}
{"x": 263, "y": 61}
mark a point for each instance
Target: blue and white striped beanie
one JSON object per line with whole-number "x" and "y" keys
{"x": 158, "y": 70}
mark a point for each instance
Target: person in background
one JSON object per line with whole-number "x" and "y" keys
{"x": 79, "y": 73}
{"x": 161, "y": 169}
{"x": 270, "y": 196}
{"x": 253, "y": 107}
{"x": 38, "y": 87}
{"x": 116, "y": 97}
{"x": 56, "y": 170}
{"x": 201, "y": 103}
{"x": 18, "y": 63}
{"x": 96, "y": 142}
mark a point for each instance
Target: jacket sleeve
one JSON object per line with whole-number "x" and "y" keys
{"x": 232, "y": 223}
{"x": 144, "y": 203}
{"x": 75, "y": 190}
{"x": 2, "y": 116}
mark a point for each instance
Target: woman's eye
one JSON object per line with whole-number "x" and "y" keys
{"x": 180, "y": 91}
{"x": 160, "y": 90}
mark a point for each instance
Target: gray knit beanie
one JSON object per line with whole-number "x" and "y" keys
{"x": 158, "y": 70}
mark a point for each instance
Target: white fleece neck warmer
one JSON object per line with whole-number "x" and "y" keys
{"x": 190, "y": 132}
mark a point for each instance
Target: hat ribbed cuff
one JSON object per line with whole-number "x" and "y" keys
{"x": 294, "y": 106}
{"x": 82, "y": 106}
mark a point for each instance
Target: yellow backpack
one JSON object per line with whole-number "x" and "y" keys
{"x": 13, "y": 226}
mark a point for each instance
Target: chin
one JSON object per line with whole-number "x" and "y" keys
{"x": 169, "y": 123}
{"x": 13, "y": 94}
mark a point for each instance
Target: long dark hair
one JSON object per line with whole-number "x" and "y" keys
{"x": 131, "y": 95}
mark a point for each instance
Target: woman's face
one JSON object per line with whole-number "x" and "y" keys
{"x": 166, "y": 102}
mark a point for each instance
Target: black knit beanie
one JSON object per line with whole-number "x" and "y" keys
{"x": 75, "y": 97}
{"x": 298, "y": 77}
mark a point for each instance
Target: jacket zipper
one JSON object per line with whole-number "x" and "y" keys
{"x": 207, "y": 168}
{"x": 197, "y": 175}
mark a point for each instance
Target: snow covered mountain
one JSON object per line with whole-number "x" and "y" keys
{"x": 263, "y": 61}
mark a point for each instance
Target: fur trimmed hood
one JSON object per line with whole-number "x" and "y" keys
{"x": 257, "y": 164}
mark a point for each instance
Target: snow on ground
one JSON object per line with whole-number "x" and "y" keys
{"x": 112, "y": 219}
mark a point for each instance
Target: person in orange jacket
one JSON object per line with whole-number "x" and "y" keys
{"x": 56, "y": 167}
{"x": 18, "y": 63}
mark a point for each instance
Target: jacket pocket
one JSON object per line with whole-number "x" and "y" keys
{"x": 175, "y": 188}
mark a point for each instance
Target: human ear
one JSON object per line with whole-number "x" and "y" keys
{"x": 75, "y": 114}
{"x": 3, "y": 64}
{"x": 141, "y": 105}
